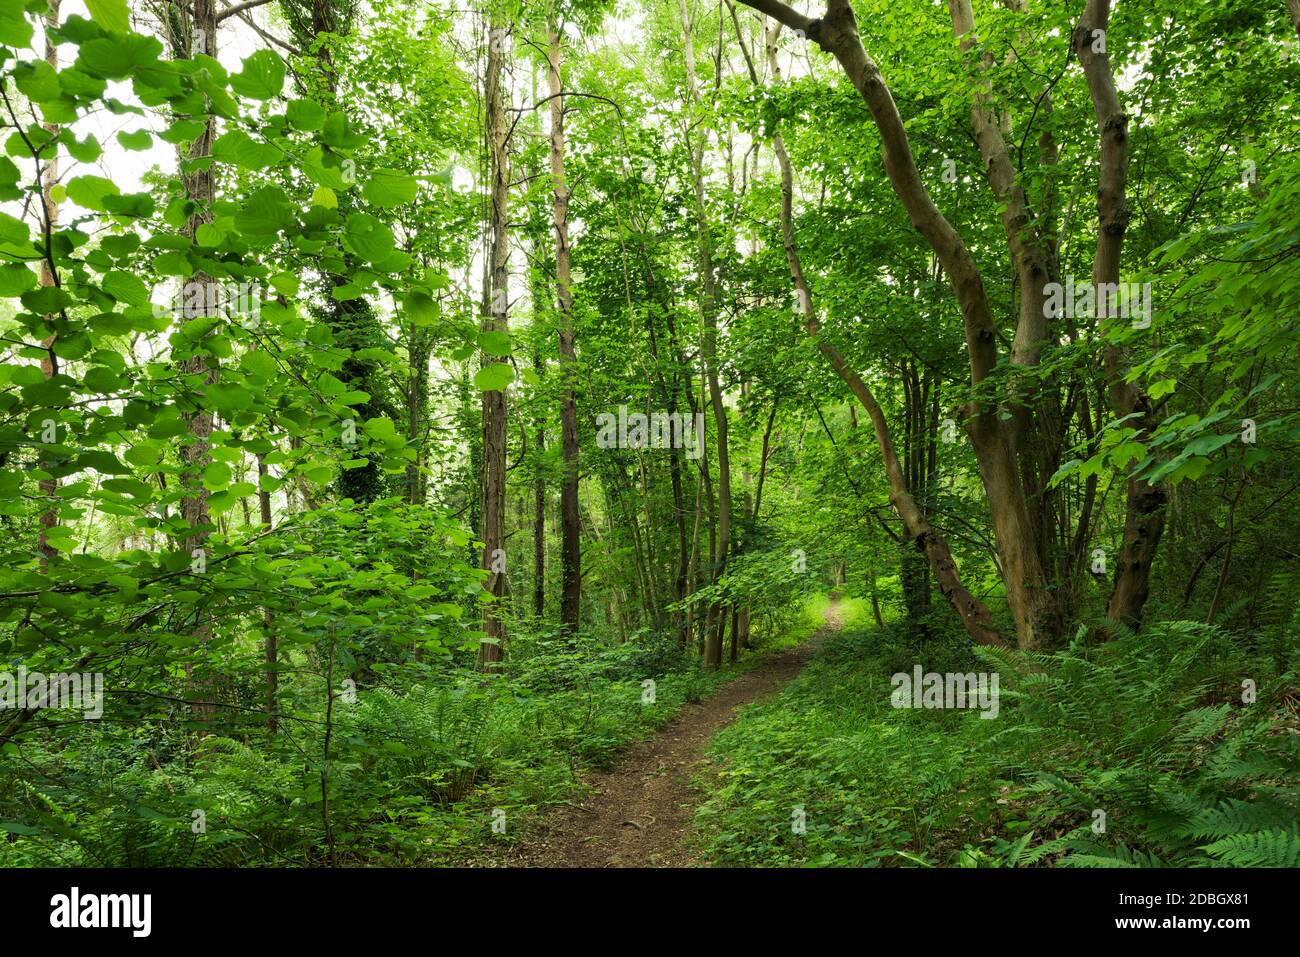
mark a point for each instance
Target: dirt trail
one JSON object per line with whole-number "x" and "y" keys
{"x": 640, "y": 810}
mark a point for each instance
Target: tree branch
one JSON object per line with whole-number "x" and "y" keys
{"x": 239, "y": 8}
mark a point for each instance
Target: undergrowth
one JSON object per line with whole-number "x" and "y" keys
{"x": 415, "y": 774}
{"x": 1138, "y": 752}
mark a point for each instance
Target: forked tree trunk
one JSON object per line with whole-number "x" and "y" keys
{"x": 970, "y": 610}
{"x": 1028, "y": 594}
{"x": 1035, "y": 426}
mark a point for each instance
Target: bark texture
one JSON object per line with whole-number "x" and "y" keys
{"x": 1144, "y": 509}
{"x": 570, "y": 528}
{"x": 496, "y": 319}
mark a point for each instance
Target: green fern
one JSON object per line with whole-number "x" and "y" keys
{"x": 1272, "y": 848}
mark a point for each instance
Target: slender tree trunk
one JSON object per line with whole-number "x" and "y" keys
{"x": 539, "y": 512}
{"x": 570, "y": 528}
{"x": 1144, "y": 507}
{"x": 200, "y": 188}
{"x": 497, "y": 319}
{"x": 709, "y": 346}
{"x": 417, "y": 397}
{"x": 875, "y": 602}
{"x": 744, "y": 619}
{"x": 49, "y": 488}
{"x": 198, "y": 36}
{"x": 669, "y": 387}
{"x": 692, "y": 570}
{"x": 268, "y": 620}
{"x": 679, "y": 515}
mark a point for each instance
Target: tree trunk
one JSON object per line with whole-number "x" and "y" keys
{"x": 272, "y": 653}
{"x": 709, "y": 346}
{"x": 49, "y": 488}
{"x": 497, "y": 319}
{"x": 1144, "y": 507}
{"x": 1023, "y": 573}
{"x": 199, "y": 36}
{"x": 570, "y": 529}
{"x": 418, "y": 347}
{"x": 539, "y": 514}
{"x": 974, "y": 616}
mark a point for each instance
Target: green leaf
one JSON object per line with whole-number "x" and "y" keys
{"x": 229, "y": 399}
{"x": 324, "y": 196}
{"x": 261, "y": 78}
{"x": 494, "y": 377}
{"x": 101, "y": 380}
{"x": 183, "y": 132}
{"x": 306, "y": 115}
{"x": 135, "y": 205}
{"x": 209, "y": 235}
{"x": 216, "y": 476}
{"x": 83, "y": 151}
{"x": 239, "y": 148}
{"x": 16, "y": 279}
{"x": 495, "y": 343}
{"x": 110, "y": 14}
{"x": 91, "y": 191}
{"x": 126, "y": 287}
{"x": 13, "y": 231}
{"x": 1162, "y": 388}
{"x": 115, "y": 59}
{"x": 137, "y": 140}
{"x": 387, "y": 188}
{"x": 258, "y": 364}
{"x": 103, "y": 462}
{"x": 13, "y": 827}
{"x": 46, "y": 300}
{"x": 420, "y": 306}
{"x": 37, "y": 80}
{"x": 266, "y": 213}
{"x": 369, "y": 238}
{"x": 15, "y": 30}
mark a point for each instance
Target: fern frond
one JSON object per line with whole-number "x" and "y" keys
{"x": 1270, "y": 848}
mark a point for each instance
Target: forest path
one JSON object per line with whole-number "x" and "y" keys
{"x": 640, "y": 811}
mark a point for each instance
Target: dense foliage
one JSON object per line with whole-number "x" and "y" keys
{"x": 327, "y": 328}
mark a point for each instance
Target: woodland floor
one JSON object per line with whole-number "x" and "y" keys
{"x": 639, "y": 813}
